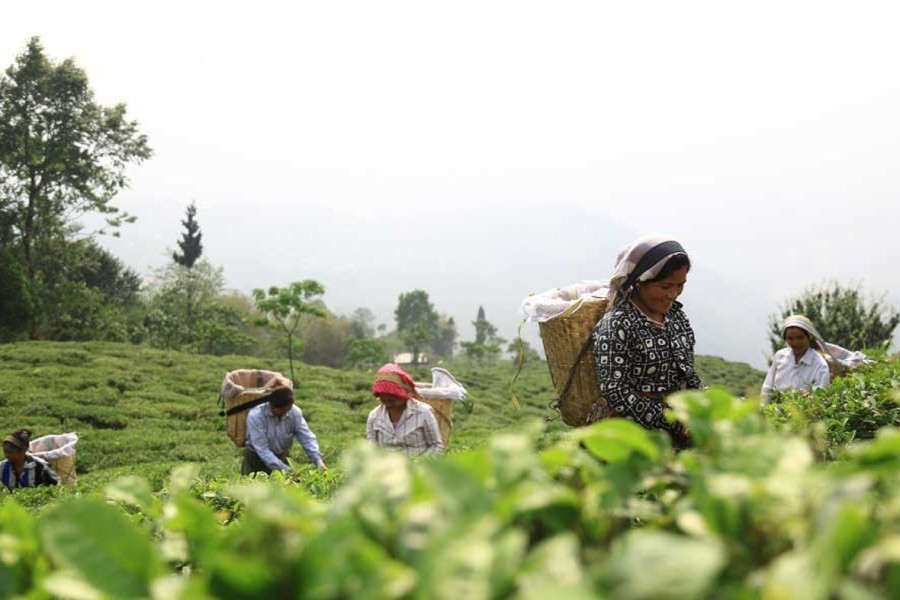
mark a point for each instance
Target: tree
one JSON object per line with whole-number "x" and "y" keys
{"x": 417, "y": 321}
{"x": 283, "y": 308}
{"x": 190, "y": 245}
{"x": 842, "y": 316}
{"x": 484, "y": 330}
{"x": 487, "y": 343}
{"x": 191, "y": 249}
{"x": 361, "y": 323}
{"x": 62, "y": 155}
{"x": 365, "y": 354}
{"x": 445, "y": 340}
{"x": 166, "y": 320}
{"x": 521, "y": 349}
{"x": 219, "y": 330}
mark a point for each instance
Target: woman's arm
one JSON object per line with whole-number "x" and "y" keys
{"x": 768, "y": 385}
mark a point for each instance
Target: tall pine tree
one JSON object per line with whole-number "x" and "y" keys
{"x": 190, "y": 245}
{"x": 191, "y": 249}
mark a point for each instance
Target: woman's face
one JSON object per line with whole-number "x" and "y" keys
{"x": 13, "y": 454}
{"x": 797, "y": 340}
{"x": 658, "y": 296}
{"x": 391, "y": 401}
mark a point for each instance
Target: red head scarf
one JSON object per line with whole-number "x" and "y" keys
{"x": 391, "y": 379}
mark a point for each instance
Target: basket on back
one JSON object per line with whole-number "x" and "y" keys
{"x": 242, "y": 390}
{"x": 568, "y": 346}
{"x": 440, "y": 395}
{"x": 59, "y": 452}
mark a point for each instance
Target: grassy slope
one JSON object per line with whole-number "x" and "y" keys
{"x": 142, "y": 411}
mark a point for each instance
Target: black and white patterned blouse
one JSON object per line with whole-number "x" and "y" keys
{"x": 636, "y": 357}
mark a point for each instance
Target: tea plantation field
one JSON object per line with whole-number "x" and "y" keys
{"x": 143, "y": 411}
{"x": 799, "y": 499}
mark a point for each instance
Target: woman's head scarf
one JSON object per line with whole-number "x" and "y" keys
{"x": 641, "y": 260}
{"x": 392, "y": 379}
{"x": 806, "y": 325}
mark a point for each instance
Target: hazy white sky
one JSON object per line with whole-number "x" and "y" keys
{"x": 765, "y": 137}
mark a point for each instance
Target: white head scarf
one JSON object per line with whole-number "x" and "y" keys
{"x": 630, "y": 269}
{"x": 848, "y": 358}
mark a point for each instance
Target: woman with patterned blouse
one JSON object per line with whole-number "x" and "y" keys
{"x": 644, "y": 344}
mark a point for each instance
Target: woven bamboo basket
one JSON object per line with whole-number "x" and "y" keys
{"x": 443, "y": 412}
{"x": 564, "y": 338}
{"x": 835, "y": 368}
{"x": 65, "y": 468}
{"x": 243, "y": 389}
{"x": 236, "y": 424}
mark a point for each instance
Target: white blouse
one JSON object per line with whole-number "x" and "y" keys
{"x": 787, "y": 374}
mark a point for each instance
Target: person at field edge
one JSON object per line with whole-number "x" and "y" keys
{"x": 271, "y": 430}
{"x": 644, "y": 344}
{"x": 799, "y": 366}
{"x": 21, "y": 469}
{"x": 400, "y": 421}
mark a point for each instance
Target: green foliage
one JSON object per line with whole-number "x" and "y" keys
{"x": 417, "y": 321}
{"x": 606, "y": 511}
{"x": 487, "y": 345}
{"x": 484, "y": 330}
{"x": 854, "y": 406}
{"x": 174, "y": 288}
{"x": 284, "y": 307}
{"x": 62, "y": 155}
{"x": 444, "y": 342}
{"x": 190, "y": 245}
{"x": 738, "y": 378}
{"x": 842, "y": 316}
{"x": 366, "y": 354}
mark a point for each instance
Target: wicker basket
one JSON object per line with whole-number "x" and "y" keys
{"x": 565, "y": 337}
{"x": 242, "y": 390}
{"x": 65, "y": 468}
{"x": 443, "y": 412}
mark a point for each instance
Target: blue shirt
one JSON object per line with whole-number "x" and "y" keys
{"x": 269, "y": 435}
{"x": 36, "y": 472}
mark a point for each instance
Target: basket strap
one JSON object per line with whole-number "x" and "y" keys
{"x": 246, "y": 406}
{"x": 520, "y": 362}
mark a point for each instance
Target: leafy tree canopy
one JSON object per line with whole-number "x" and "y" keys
{"x": 61, "y": 154}
{"x": 284, "y": 307}
{"x": 417, "y": 321}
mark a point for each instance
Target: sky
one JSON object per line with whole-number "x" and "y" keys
{"x": 483, "y": 151}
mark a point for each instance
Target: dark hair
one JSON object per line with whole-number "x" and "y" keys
{"x": 673, "y": 264}
{"x": 281, "y": 396}
{"x": 22, "y": 439}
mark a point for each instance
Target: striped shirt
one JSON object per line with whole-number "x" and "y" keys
{"x": 638, "y": 360}
{"x": 415, "y": 433}
{"x": 36, "y": 472}
{"x": 271, "y": 436}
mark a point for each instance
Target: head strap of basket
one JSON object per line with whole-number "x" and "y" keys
{"x": 392, "y": 379}
{"x": 641, "y": 260}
